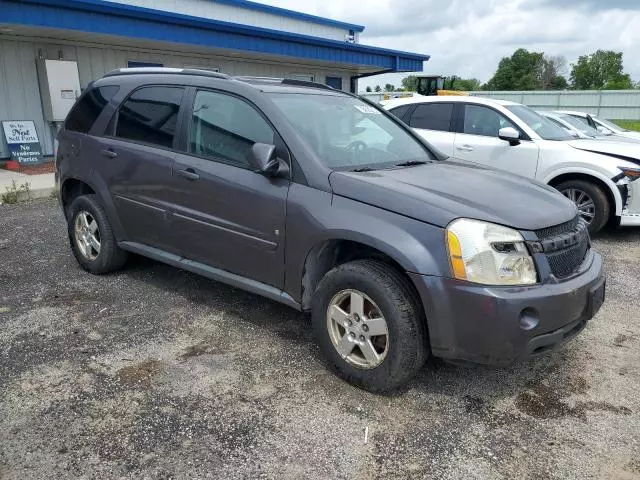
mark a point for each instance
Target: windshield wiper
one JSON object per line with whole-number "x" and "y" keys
{"x": 411, "y": 163}
{"x": 363, "y": 169}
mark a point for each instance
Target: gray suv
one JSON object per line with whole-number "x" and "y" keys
{"x": 317, "y": 199}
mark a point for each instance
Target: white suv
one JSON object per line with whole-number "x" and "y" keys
{"x": 513, "y": 137}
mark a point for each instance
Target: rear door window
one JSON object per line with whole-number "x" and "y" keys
{"x": 150, "y": 115}
{"x": 432, "y": 116}
{"x": 89, "y": 108}
{"x": 402, "y": 112}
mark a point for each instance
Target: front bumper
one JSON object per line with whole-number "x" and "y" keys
{"x": 500, "y": 325}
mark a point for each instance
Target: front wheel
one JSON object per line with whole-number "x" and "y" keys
{"x": 369, "y": 325}
{"x": 592, "y": 202}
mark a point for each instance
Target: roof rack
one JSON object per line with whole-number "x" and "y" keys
{"x": 284, "y": 81}
{"x": 161, "y": 70}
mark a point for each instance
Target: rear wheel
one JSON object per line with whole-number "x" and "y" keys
{"x": 369, "y": 325}
{"x": 592, "y": 202}
{"x": 91, "y": 237}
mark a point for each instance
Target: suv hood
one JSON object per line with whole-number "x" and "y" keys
{"x": 440, "y": 192}
{"x": 622, "y": 150}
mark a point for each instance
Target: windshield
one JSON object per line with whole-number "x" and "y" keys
{"x": 347, "y": 133}
{"x": 544, "y": 127}
{"x": 611, "y": 126}
{"x": 581, "y": 126}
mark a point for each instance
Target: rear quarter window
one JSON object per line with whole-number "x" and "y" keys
{"x": 89, "y": 108}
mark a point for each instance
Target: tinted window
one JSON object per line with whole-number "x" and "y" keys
{"x": 225, "y": 128}
{"x": 401, "y": 112}
{"x": 87, "y": 111}
{"x": 479, "y": 120}
{"x": 433, "y": 116}
{"x": 150, "y": 115}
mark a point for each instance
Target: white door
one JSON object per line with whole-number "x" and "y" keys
{"x": 479, "y": 142}
{"x": 432, "y": 121}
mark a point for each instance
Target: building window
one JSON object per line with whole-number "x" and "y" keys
{"x": 150, "y": 115}
{"x": 334, "y": 82}
{"x": 133, "y": 64}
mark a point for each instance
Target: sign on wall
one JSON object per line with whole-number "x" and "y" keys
{"x": 23, "y": 142}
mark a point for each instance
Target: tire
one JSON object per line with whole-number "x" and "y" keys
{"x": 109, "y": 257}
{"x": 601, "y": 211}
{"x": 392, "y": 294}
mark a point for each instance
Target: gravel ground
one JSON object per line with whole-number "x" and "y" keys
{"x": 157, "y": 373}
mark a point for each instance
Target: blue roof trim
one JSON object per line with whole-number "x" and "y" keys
{"x": 261, "y": 7}
{"x": 98, "y": 16}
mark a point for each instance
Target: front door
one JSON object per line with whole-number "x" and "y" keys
{"x": 227, "y": 215}
{"x": 478, "y": 142}
{"x": 136, "y": 159}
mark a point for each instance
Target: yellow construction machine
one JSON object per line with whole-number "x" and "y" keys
{"x": 437, "y": 85}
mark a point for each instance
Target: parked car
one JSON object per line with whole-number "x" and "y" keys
{"x": 276, "y": 187}
{"x": 604, "y": 126}
{"x": 579, "y": 129}
{"x": 513, "y": 137}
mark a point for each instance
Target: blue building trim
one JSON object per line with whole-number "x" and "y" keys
{"x": 283, "y": 12}
{"x": 97, "y": 16}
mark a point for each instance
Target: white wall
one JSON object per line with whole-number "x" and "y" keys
{"x": 228, "y": 13}
{"x": 20, "y": 93}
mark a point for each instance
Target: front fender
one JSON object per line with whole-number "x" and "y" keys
{"x": 315, "y": 217}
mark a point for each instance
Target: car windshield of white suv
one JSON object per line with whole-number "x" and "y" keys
{"x": 581, "y": 126}
{"x": 348, "y": 134}
{"x": 544, "y": 127}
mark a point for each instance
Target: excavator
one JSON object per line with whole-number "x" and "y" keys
{"x": 430, "y": 85}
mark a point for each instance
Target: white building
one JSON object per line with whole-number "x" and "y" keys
{"x": 237, "y": 37}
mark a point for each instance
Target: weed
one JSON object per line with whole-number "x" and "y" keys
{"x": 15, "y": 193}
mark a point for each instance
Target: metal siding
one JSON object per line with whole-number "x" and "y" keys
{"x": 611, "y": 104}
{"x": 97, "y": 16}
{"x": 294, "y": 23}
{"x": 20, "y": 94}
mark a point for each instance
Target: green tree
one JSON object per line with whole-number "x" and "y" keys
{"x": 466, "y": 84}
{"x": 600, "y": 70}
{"x": 369, "y": 89}
{"x": 378, "y": 89}
{"x": 552, "y": 73}
{"x": 410, "y": 83}
{"x": 521, "y": 71}
{"x": 389, "y": 87}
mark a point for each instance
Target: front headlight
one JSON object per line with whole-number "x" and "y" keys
{"x": 489, "y": 254}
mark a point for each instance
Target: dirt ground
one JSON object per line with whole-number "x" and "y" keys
{"x": 157, "y": 373}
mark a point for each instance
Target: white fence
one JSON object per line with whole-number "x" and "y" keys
{"x": 612, "y": 104}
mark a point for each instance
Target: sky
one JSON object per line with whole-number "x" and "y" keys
{"x": 467, "y": 38}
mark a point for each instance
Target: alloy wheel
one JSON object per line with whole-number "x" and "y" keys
{"x": 87, "y": 235}
{"x": 585, "y": 204}
{"x": 357, "y": 329}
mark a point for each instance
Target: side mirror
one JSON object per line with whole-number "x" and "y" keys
{"x": 604, "y": 130}
{"x": 573, "y": 133}
{"x": 509, "y": 134}
{"x": 266, "y": 162}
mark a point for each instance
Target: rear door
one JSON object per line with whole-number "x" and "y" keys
{"x": 136, "y": 159}
{"x": 478, "y": 142}
{"x": 227, "y": 215}
{"x": 433, "y": 122}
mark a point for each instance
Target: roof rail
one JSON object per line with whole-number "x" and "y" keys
{"x": 161, "y": 70}
{"x": 284, "y": 81}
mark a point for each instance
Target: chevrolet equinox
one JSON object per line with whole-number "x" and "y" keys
{"x": 322, "y": 201}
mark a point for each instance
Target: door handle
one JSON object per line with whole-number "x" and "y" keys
{"x": 188, "y": 173}
{"x": 465, "y": 148}
{"x": 107, "y": 152}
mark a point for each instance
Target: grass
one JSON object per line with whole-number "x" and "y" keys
{"x": 628, "y": 124}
